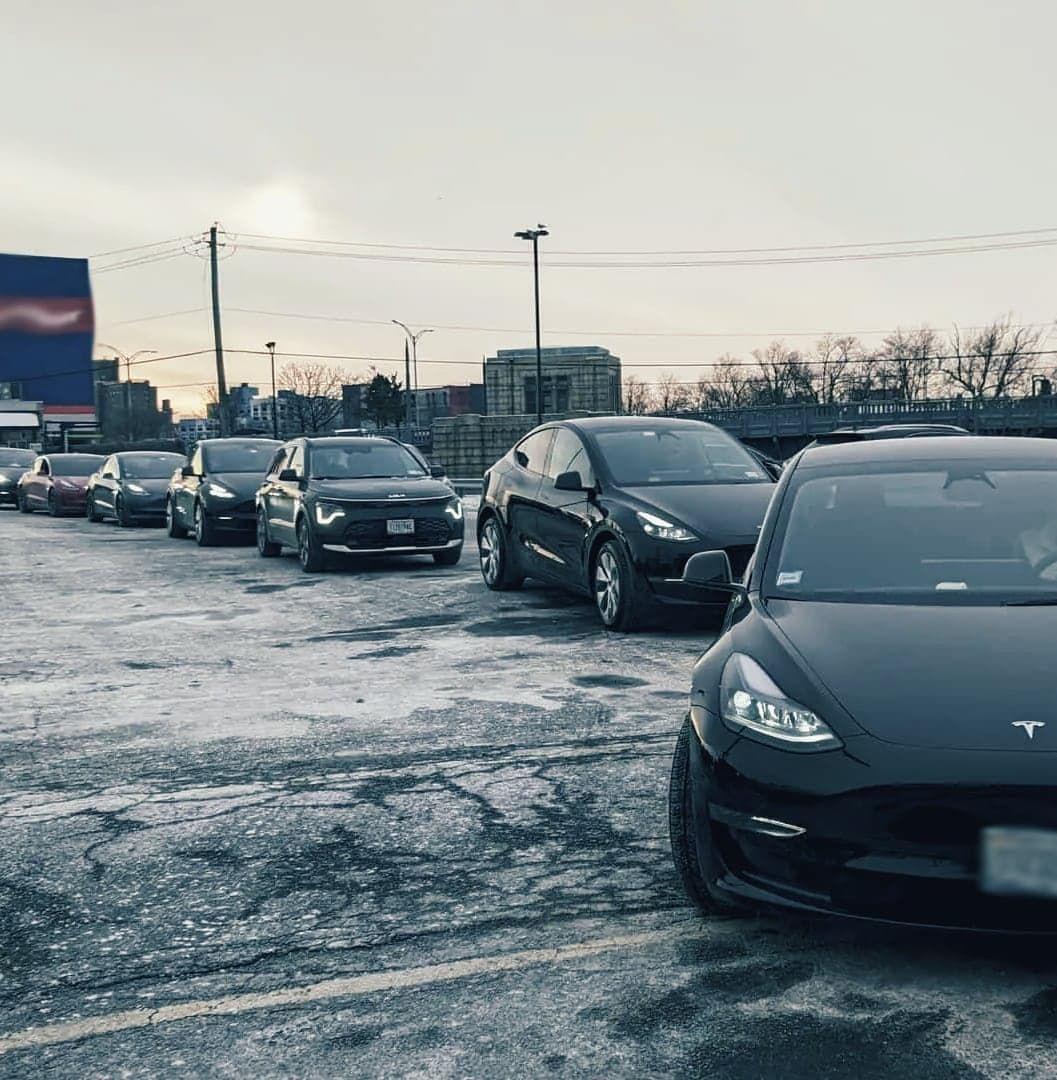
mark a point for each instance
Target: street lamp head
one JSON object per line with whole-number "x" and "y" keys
{"x": 270, "y": 345}
{"x": 532, "y": 234}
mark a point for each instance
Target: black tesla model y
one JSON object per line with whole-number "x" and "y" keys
{"x": 874, "y": 733}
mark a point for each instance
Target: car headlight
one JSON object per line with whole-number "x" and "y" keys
{"x": 750, "y": 699}
{"x": 5, "y": 479}
{"x": 659, "y": 529}
{"x": 328, "y": 512}
{"x": 137, "y": 489}
{"x": 454, "y": 509}
{"x": 221, "y": 492}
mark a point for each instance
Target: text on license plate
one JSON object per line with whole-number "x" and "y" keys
{"x": 400, "y": 526}
{"x": 1018, "y": 862}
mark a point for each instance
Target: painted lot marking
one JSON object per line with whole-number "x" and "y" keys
{"x": 350, "y": 986}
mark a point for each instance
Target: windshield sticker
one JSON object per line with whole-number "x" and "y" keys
{"x": 790, "y": 577}
{"x": 752, "y": 474}
{"x": 951, "y": 586}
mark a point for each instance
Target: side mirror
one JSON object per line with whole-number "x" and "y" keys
{"x": 570, "y": 481}
{"x": 187, "y": 472}
{"x": 288, "y": 476}
{"x": 521, "y": 458}
{"x": 109, "y": 476}
{"x": 709, "y": 568}
{"x": 438, "y": 472}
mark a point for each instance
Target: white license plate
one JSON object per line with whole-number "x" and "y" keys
{"x": 1018, "y": 862}
{"x": 400, "y": 526}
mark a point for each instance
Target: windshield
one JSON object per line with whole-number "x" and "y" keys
{"x": 677, "y": 455}
{"x": 150, "y": 466}
{"x": 75, "y": 464}
{"x": 957, "y": 534}
{"x": 353, "y": 461}
{"x": 236, "y": 457}
{"x": 21, "y": 459}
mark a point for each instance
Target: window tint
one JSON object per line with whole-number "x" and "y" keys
{"x": 296, "y": 460}
{"x": 696, "y": 454}
{"x": 531, "y": 453}
{"x": 238, "y": 457}
{"x": 10, "y": 457}
{"x": 568, "y": 455}
{"x": 364, "y": 458}
{"x": 75, "y": 464}
{"x": 145, "y": 466}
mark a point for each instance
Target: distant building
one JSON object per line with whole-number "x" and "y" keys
{"x": 20, "y": 422}
{"x": 259, "y": 416}
{"x": 193, "y": 428}
{"x": 432, "y": 403}
{"x": 240, "y": 402}
{"x": 128, "y": 411}
{"x": 581, "y": 378}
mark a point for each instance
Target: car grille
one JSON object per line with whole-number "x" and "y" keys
{"x": 371, "y": 533}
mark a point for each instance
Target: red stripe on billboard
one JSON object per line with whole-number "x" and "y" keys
{"x": 40, "y": 315}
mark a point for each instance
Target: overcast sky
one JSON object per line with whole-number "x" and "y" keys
{"x": 623, "y": 126}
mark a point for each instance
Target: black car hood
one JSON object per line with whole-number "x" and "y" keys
{"x": 244, "y": 485}
{"x": 730, "y": 513}
{"x": 374, "y": 490}
{"x": 946, "y": 676}
{"x": 155, "y": 487}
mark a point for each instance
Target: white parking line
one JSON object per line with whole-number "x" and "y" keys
{"x": 350, "y": 986}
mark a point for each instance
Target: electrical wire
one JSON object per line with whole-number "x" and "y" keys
{"x": 155, "y": 318}
{"x": 143, "y": 247}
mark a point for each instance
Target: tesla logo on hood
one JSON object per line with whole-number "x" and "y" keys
{"x": 1029, "y": 726}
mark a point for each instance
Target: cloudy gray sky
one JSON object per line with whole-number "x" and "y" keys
{"x": 623, "y": 126}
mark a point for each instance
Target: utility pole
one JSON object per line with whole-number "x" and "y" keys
{"x": 222, "y": 386}
{"x": 534, "y": 235}
{"x": 407, "y": 385}
{"x": 413, "y": 339}
{"x": 270, "y": 346}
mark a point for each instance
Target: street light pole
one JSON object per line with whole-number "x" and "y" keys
{"x": 413, "y": 337}
{"x": 127, "y": 361}
{"x": 534, "y": 235}
{"x": 270, "y": 346}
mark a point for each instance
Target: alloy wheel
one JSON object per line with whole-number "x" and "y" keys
{"x": 607, "y": 586}
{"x": 490, "y": 552}
{"x": 199, "y": 523}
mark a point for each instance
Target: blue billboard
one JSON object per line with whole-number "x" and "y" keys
{"x": 46, "y": 329}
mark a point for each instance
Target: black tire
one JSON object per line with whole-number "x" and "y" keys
{"x": 265, "y": 547}
{"x": 497, "y": 567}
{"x": 122, "y": 514}
{"x": 90, "y": 511}
{"x": 616, "y": 589}
{"x": 53, "y": 504}
{"x": 682, "y": 826}
{"x": 23, "y": 506}
{"x": 172, "y": 526}
{"x": 205, "y": 531}
{"x": 450, "y": 557}
{"x": 310, "y": 552}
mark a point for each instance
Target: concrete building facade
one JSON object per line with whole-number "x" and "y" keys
{"x": 579, "y": 378}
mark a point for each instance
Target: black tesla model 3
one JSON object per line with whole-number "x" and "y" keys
{"x": 874, "y": 733}
{"x": 613, "y": 507}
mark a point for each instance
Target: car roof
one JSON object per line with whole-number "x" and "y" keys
{"x": 941, "y": 448}
{"x": 146, "y": 453}
{"x": 595, "y": 424}
{"x": 890, "y": 431}
{"x": 239, "y": 439}
{"x": 346, "y": 440}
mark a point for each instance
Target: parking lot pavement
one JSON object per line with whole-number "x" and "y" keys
{"x": 381, "y": 822}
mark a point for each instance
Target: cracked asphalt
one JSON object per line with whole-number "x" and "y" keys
{"x": 381, "y": 822}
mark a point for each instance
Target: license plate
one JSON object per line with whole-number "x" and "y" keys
{"x": 1018, "y": 862}
{"x": 400, "y": 526}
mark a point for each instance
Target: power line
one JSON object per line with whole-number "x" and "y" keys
{"x": 143, "y": 247}
{"x": 90, "y": 370}
{"x": 154, "y": 318}
{"x": 599, "y": 333}
{"x": 956, "y": 238}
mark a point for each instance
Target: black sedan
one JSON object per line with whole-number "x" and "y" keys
{"x": 213, "y": 495}
{"x": 13, "y": 464}
{"x": 613, "y": 507}
{"x": 369, "y": 496}
{"x": 130, "y": 487}
{"x": 873, "y": 734}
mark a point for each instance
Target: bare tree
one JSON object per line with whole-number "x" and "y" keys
{"x": 672, "y": 396}
{"x": 314, "y": 400}
{"x": 729, "y": 386}
{"x": 783, "y": 377}
{"x": 638, "y": 397}
{"x": 837, "y": 362}
{"x": 992, "y": 362}
{"x": 210, "y": 399}
{"x": 906, "y": 359}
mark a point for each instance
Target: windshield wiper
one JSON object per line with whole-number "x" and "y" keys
{"x": 1049, "y": 600}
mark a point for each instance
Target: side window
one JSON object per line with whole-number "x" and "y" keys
{"x": 45, "y": 468}
{"x": 531, "y": 453}
{"x": 569, "y": 455}
{"x": 112, "y": 465}
{"x": 197, "y": 464}
{"x": 278, "y": 462}
{"x": 297, "y": 461}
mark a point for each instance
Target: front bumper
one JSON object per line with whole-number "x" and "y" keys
{"x": 365, "y": 530}
{"x": 9, "y": 494}
{"x": 661, "y": 563}
{"x": 875, "y": 831}
{"x": 70, "y": 501}
{"x": 145, "y": 506}
{"x": 230, "y": 516}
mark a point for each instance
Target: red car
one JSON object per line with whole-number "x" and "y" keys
{"x": 57, "y": 483}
